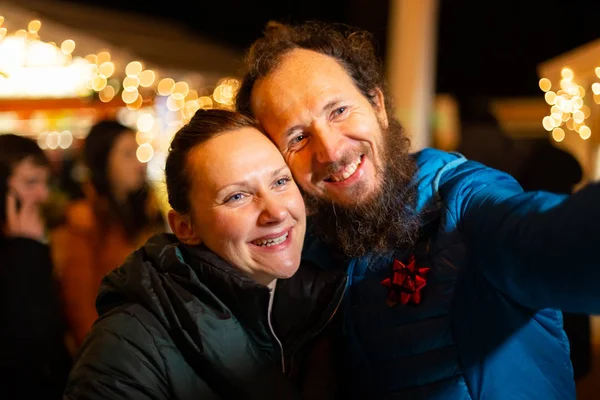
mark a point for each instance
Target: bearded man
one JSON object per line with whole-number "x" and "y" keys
{"x": 456, "y": 276}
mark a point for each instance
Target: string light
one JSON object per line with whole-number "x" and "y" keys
{"x": 134, "y": 84}
{"x": 567, "y": 106}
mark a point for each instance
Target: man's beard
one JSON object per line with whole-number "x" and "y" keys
{"x": 387, "y": 220}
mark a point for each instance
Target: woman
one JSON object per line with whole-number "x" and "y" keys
{"x": 117, "y": 215}
{"x": 220, "y": 310}
{"x": 34, "y": 361}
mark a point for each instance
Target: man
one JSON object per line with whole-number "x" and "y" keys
{"x": 455, "y": 275}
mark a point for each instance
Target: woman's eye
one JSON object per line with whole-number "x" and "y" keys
{"x": 235, "y": 197}
{"x": 282, "y": 181}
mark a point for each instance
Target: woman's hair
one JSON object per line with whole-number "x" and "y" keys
{"x": 100, "y": 141}
{"x": 205, "y": 125}
{"x": 13, "y": 150}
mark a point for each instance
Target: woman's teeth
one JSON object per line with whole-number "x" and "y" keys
{"x": 271, "y": 242}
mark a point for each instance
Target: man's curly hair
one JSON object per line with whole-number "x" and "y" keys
{"x": 352, "y": 48}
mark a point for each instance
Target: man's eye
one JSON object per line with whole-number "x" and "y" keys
{"x": 339, "y": 111}
{"x": 298, "y": 139}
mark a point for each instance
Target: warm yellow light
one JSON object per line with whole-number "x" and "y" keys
{"x": 53, "y": 140}
{"x": 557, "y": 116}
{"x": 21, "y": 33}
{"x": 106, "y": 69}
{"x": 550, "y": 97}
{"x": 107, "y": 94}
{"x": 570, "y": 125}
{"x": 41, "y": 141}
{"x": 102, "y": 57}
{"x": 577, "y": 103}
{"x": 224, "y": 94}
{"x": 67, "y": 46}
{"x": 585, "y": 132}
{"x": 1, "y": 20}
{"x": 131, "y": 82}
{"x": 557, "y": 119}
{"x": 545, "y": 84}
{"x": 596, "y": 88}
{"x": 145, "y": 122}
{"x": 99, "y": 83}
{"x": 143, "y": 137}
{"x": 205, "y": 102}
{"x": 586, "y": 111}
{"x": 548, "y": 123}
{"x": 190, "y": 108}
{"x": 175, "y": 102}
{"x": 65, "y": 140}
{"x": 144, "y": 153}
{"x": 578, "y": 116}
{"x": 133, "y": 68}
{"x": 34, "y": 26}
{"x": 129, "y": 96}
{"x": 92, "y": 58}
{"x": 137, "y": 103}
{"x": 558, "y": 134}
{"x": 182, "y": 88}
{"x": 597, "y": 69}
{"x": 567, "y": 73}
{"x": 147, "y": 78}
{"x": 165, "y": 86}
{"x": 192, "y": 95}
{"x": 2, "y": 32}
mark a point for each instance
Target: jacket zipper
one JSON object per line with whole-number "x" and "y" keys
{"x": 270, "y": 309}
{"x": 337, "y": 306}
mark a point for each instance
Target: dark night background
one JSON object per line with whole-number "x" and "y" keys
{"x": 485, "y": 48}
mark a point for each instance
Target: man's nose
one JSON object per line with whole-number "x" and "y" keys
{"x": 327, "y": 144}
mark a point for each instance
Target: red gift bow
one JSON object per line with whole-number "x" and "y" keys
{"x": 406, "y": 283}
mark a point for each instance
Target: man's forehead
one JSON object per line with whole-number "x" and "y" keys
{"x": 304, "y": 81}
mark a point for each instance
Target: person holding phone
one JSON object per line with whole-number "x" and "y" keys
{"x": 34, "y": 361}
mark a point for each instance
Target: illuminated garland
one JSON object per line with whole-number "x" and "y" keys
{"x": 568, "y": 109}
{"x": 138, "y": 88}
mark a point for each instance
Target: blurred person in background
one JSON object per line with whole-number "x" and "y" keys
{"x": 116, "y": 216}
{"x": 34, "y": 361}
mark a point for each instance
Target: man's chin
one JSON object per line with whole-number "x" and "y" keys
{"x": 356, "y": 196}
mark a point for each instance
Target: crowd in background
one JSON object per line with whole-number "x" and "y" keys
{"x": 58, "y": 238}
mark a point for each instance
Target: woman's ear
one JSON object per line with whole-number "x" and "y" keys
{"x": 181, "y": 225}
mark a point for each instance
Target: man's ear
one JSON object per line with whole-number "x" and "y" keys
{"x": 378, "y": 100}
{"x": 181, "y": 225}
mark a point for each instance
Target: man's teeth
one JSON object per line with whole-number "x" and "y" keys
{"x": 347, "y": 172}
{"x": 271, "y": 242}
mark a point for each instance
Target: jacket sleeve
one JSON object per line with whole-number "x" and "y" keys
{"x": 118, "y": 360}
{"x": 538, "y": 248}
